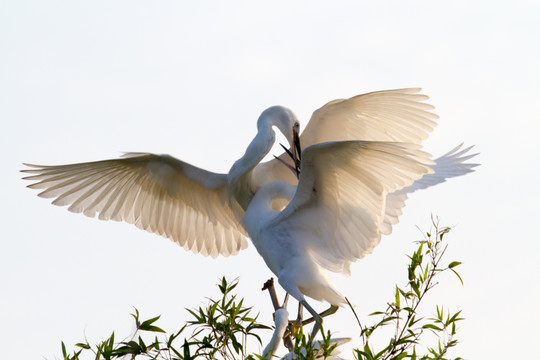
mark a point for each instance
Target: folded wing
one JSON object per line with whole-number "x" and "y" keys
{"x": 157, "y": 193}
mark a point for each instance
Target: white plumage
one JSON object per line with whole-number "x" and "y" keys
{"x": 334, "y": 214}
{"x": 361, "y": 158}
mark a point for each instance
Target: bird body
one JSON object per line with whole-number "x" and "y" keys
{"x": 279, "y": 245}
{"x": 342, "y": 188}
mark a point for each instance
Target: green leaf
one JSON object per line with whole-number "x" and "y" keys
{"x": 142, "y": 345}
{"x": 454, "y": 264}
{"x": 415, "y": 287}
{"x": 440, "y": 313}
{"x": 153, "y": 329}
{"x": 236, "y": 345}
{"x": 431, "y": 326}
{"x": 136, "y": 317}
{"x": 459, "y": 277}
{"x": 186, "y": 351}
{"x": 455, "y": 318}
{"x": 149, "y": 321}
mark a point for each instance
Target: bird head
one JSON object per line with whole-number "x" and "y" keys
{"x": 287, "y": 122}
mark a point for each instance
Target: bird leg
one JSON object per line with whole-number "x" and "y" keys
{"x": 300, "y": 314}
{"x": 331, "y": 310}
{"x": 285, "y": 300}
{"x": 293, "y": 327}
{"x": 316, "y": 316}
{"x": 296, "y": 324}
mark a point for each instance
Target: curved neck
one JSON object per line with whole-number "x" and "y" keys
{"x": 281, "y": 321}
{"x": 240, "y": 184}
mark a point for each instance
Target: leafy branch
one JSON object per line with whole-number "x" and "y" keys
{"x": 402, "y": 312}
{"x": 221, "y": 329}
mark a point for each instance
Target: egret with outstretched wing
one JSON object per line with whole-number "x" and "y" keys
{"x": 198, "y": 209}
{"x": 349, "y": 193}
{"x": 202, "y": 210}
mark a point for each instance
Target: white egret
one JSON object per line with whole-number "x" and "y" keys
{"x": 350, "y": 192}
{"x": 202, "y": 210}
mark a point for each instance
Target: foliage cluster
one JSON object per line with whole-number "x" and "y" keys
{"x": 221, "y": 329}
{"x": 403, "y": 311}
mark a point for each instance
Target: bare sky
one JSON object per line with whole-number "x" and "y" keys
{"x": 82, "y": 81}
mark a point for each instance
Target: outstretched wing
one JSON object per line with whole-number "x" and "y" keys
{"x": 447, "y": 166}
{"x": 157, "y": 193}
{"x": 340, "y": 201}
{"x": 399, "y": 115}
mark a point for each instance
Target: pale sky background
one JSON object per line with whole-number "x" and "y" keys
{"x": 82, "y": 81}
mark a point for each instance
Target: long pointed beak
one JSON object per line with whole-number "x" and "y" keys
{"x": 294, "y": 154}
{"x": 297, "y": 152}
{"x": 292, "y": 168}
